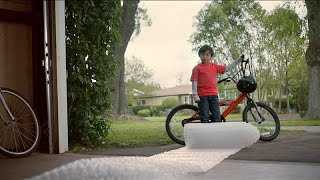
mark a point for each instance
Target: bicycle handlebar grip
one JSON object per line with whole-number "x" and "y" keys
{"x": 221, "y": 80}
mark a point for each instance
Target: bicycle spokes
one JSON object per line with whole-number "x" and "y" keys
{"x": 263, "y": 120}
{"x": 18, "y": 135}
{"x": 177, "y": 120}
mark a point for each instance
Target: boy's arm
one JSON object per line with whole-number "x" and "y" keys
{"x": 194, "y": 87}
{"x": 195, "y": 90}
{"x": 194, "y": 80}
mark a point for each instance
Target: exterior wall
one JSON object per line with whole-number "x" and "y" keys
{"x": 155, "y": 101}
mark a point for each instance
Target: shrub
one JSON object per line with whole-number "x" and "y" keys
{"x": 144, "y": 112}
{"x": 135, "y": 109}
{"x": 92, "y": 29}
{"x": 169, "y": 103}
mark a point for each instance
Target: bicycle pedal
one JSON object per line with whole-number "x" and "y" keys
{"x": 183, "y": 122}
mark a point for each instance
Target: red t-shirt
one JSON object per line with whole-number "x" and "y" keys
{"x": 206, "y": 76}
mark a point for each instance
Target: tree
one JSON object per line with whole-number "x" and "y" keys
{"x": 92, "y": 27}
{"x": 272, "y": 41}
{"x": 138, "y": 77}
{"x": 227, "y": 26}
{"x": 137, "y": 71}
{"x": 298, "y": 84}
{"x": 233, "y": 28}
{"x": 313, "y": 58}
{"x": 285, "y": 43}
{"x": 131, "y": 18}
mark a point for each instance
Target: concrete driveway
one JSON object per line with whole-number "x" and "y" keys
{"x": 291, "y": 156}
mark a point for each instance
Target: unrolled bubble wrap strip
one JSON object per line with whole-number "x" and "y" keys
{"x": 206, "y": 146}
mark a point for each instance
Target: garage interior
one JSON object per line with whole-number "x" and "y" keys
{"x": 30, "y": 69}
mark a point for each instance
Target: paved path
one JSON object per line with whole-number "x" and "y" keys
{"x": 293, "y": 146}
{"x": 262, "y": 170}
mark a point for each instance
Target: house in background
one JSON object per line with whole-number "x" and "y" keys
{"x": 182, "y": 93}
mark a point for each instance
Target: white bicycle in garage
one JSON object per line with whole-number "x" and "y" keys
{"x": 19, "y": 126}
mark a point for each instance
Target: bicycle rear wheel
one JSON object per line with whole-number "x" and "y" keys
{"x": 18, "y": 137}
{"x": 269, "y": 128}
{"x": 174, "y": 120}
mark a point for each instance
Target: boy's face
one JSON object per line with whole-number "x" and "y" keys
{"x": 205, "y": 57}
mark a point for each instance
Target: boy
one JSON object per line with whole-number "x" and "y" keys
{"x": 204, "y": 84}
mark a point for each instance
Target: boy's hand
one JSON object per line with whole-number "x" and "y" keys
{"x": 196, "y": 98}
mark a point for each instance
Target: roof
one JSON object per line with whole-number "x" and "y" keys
{"x": 173, "y": 91}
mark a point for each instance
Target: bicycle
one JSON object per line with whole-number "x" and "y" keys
{"x": 19, "y": 126}
{"x": 257, "y": 113}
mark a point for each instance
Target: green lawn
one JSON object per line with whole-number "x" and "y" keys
{"x": 151, "y": 132}
{"x": 305, "y": 122}
{"x": 138, "y": 133}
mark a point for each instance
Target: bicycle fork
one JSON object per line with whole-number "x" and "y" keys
{"x": 6, "y": 108}
{"x": 254, "y": 117}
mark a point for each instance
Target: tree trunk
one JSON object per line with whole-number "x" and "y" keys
{"x": 287, "y": 90}
{"x": 129, "y": 9}
{"x": 313, "y": 58}
{"x": 314, "y": 93}
{"x": 279, "y": 100}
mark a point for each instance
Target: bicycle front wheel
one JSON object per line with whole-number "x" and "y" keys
{"x": 174, "y": 120}
{"x": 268, "y": 123}
{"x": 19, "y": 137}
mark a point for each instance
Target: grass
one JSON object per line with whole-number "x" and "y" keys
{"x": 305, "y": 122}
{"x": 151, "y": 131}
{"x": 293, "y": 122}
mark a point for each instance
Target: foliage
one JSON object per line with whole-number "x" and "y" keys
{"x": 137, "y": 71}
{"x": 169, "y": 103}
{"x": 141, "y": 18}
{"x": 299, "y": 84}
{"x": 135, "y": 109}
{"x": 149, "y": 110}
{"x": 138, "y": 77}
{"x": 144, "y": 112}
{"x": 92, "y": 28}
{"x": 273, "y": 41}
{"x": 227, "y": 26}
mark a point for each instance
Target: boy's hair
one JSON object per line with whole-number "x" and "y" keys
{"x": 205, "y": 48}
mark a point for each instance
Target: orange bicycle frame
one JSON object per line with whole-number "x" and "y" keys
{"x": 233, "y": 104}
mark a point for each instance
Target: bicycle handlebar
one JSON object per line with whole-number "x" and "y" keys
{"x": 224, "y": 79}
{"x": 242, "y": 69}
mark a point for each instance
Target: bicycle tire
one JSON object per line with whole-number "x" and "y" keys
{"x": 273, "y": 115}
{"x": 27, "y": 149}
{"x": 169, "y": 121}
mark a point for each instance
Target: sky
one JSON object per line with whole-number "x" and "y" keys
{"x": 164, "y": 46}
